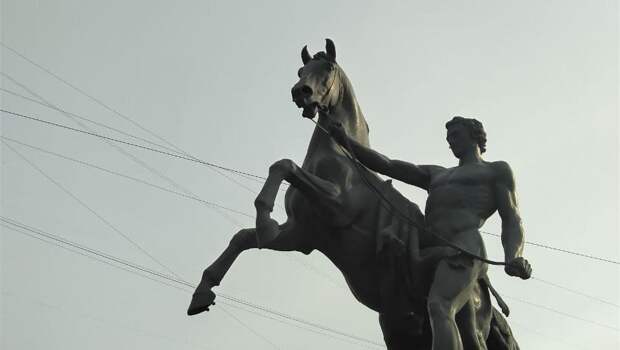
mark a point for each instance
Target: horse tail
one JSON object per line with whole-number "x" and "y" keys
{"x": 502, "y": 304}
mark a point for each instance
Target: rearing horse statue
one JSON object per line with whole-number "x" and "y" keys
{"x": 332, "y": 208}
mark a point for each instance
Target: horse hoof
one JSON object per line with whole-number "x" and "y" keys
{"x": 201, "y": 301}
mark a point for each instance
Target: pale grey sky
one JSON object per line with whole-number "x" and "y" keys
{"x": 214, "y": 78}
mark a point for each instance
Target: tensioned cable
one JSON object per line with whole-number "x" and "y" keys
{"x": 574, "y": 291}
{"x": 195, "y": 160}
{"x": 144, "y": 182}
{"x": 531, "y": 243}
{"x": 184, "y": 283}
{"x": 395, "y": 209}
{"x": 119, "y": 149}
{"x": 256, "y": 176}
{"x": 94, "y": 257}
{"x": 114, "y": 111}
{"x": 57, "y": 109}
{"x": 566, "y": 314}
{"x": 92, "y": 211}
{"x": 236, "y": 319}
{"x": 126, "y": 134}
{"x": 257, "y": 306}
{"x": 589, "y": 256}
{"x": 102, "y": 104}
{"x": 308, "y": 266}
{"x": 361, "y": 168}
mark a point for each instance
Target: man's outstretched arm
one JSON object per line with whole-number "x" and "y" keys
{"x": 417, "y": 175}
{"x": 512, "y": 230}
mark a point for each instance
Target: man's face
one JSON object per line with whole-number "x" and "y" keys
{"x": 460, "y": 140}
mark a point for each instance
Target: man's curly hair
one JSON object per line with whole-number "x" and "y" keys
{"x": 475, "y": 128}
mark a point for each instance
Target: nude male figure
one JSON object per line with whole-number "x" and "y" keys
{"x": 460, "y": 199}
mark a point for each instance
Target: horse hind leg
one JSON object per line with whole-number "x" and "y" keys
{"x": 288, "y": 238}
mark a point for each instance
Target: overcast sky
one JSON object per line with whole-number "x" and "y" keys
{"x": 214, "y": 78}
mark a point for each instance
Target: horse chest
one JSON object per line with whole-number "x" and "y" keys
{"x": 333, "y": 168}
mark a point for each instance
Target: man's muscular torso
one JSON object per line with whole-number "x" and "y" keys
{"x": 460, "y": 200}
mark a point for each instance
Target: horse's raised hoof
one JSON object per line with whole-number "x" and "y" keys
{"x": 201, "y": 301}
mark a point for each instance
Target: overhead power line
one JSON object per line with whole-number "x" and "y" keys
{"x": 195, "y": 160}
{"x": 129, "y": 177}
{"x": 260, "y": 308}
{"x": 122, "y": 132}
{"x": 91, "y": 210}
{"x": 6, "y": 112}
{"x": 23, "y": 230}
{"x": 583, "y": 255}
{"x": 309, "y": 267}
{"x": 248, "y": 303}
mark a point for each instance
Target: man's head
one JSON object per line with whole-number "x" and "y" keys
{"x": 464, "y": 134}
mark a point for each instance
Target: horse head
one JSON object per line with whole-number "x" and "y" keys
{"x": 323, "y": 88}
{"x": 319, "y": 78}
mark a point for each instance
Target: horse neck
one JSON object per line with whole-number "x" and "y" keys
{"x": 346, "y": 111}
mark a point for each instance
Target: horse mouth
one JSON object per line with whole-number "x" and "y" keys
{"x": 310, "y": 110}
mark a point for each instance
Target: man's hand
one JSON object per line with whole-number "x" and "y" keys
{"x": 337, "y": 132}
{"x": 519, "y": 267}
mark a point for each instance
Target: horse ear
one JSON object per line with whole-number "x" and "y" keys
{"x": 330, "y": 48}
{"x": 305, "y": 56}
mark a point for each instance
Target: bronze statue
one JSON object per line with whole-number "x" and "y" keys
{"x": 339, "y": 208}
{"x": 460, "y": 200}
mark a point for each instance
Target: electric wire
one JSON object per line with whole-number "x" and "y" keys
{"x": 91, "y": 210}
{"x": 257, "y": 306}
{"x": 129, "y": 177}
{"x": 167, "y": 148}
{"x": 184, "y": 283}
{"x": 116, "y": 112}
{"x": 120, "y": 149}
{"x": 308, "y": 266}
{"x": 6, "y": 112}
{"x": 572, "y": 252}
{"x": 575, "y": 291}
{"x": 565, "y": 314}
{"x": 57, "y": 109}
{"x": 313, "y": 268}
{"x": 131, "y": 144}
{"x": 236, "y": 319}
{"x": 106, "y": 106}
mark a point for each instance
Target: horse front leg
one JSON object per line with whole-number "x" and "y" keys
{"x": 325, "y": 194}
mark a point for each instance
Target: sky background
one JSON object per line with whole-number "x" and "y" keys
{"x": 214, "y": 78}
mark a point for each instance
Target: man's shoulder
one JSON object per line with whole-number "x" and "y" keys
{"x": 500, "y": 166}
{"x": 502, "y": 171}
{"x": 432, "y": 169}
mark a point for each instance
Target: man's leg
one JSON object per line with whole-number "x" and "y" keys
{"x": 450, "y": 289}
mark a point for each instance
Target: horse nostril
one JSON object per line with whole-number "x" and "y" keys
{"x": 300, "y": 92}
